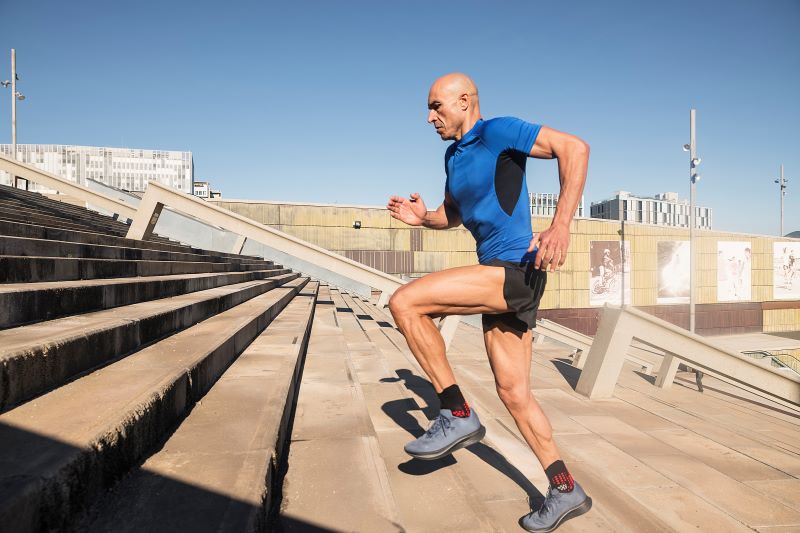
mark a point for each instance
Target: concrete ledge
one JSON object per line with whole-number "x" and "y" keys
{"x": 83, "y": 236}
{"x": 15, "y": 269}
{"x": 40, "y": 357}
{"x": 54, "y": 464}
{"x": 230, "y": 445}
{"x": 26, "y": 247}
{"x": 30, "y": 302}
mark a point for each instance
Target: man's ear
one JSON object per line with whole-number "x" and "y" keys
{"x": 464, "y": 101}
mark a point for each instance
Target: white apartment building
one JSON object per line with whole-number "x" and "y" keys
{"x": 544, "y": 204}
{"x": 124, "y": 168}
{"x": 665, "y": 209}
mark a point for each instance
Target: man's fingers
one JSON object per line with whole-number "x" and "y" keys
{"x": 534, "y": 242}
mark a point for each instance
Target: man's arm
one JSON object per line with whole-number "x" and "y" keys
{"x": 445, "y": 217}
{"x": 573, "y": 161}
{"x": 413, "y": 212}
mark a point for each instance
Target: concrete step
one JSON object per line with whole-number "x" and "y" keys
{"x": 54, "y": 206}
{"x": 217, "y": 471}
{"x": 16, "y": 269}
{"x": 13, "y": 216}
{"x": 483, "y": 488}
{"x": 337, "y": 479}
{"x": 26, "y": 247}
{"x": 24, "y": 303}
{"x": 43, "y": 356}
{"x": 76, "y": 215}
{"x": 59, "y": 452}
{"x": 32, "y": 231}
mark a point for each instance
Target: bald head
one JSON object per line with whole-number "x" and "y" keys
{"x": 453, "y": 105}
{"x": 456, "y": 84}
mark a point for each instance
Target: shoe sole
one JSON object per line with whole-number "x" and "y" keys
{"x": 572, "y": 513}
{"x": 467, "y": 440}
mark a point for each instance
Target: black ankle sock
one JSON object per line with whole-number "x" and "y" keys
{"x": 559, "y": 477}
{"x": 451, "y": 398}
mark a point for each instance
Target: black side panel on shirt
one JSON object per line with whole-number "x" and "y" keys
{"x": 508, "y": 175}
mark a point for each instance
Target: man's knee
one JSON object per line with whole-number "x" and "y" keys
{"x": 400, "y": 303}
{"x": 514, "y": 397}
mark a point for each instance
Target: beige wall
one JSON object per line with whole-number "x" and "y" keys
{"x": 417, "y": 251}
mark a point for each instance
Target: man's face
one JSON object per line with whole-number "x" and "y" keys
{"x": 445, "y": 112}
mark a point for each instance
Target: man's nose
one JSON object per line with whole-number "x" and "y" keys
{"x": 431, "y": 116}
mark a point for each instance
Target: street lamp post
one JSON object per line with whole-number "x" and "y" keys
{"x": 782, "y": 182}
{"x": 15, "y": 95}
{"x": 694, "y": 177}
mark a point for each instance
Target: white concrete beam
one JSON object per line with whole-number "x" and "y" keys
{"x": 31, "y": 173}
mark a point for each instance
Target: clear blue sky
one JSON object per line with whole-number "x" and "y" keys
{"x": 326, "y": 101}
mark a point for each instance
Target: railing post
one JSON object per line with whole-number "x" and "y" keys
{"x": 383, "y": 301}
{"x": 580, "y": 358}
{"x": 667, "y": 371}
{"x": 605, "y": 357}
{"x": 447, "y": 327}
{"x": 146, "y": 217}
{"x": 238, "y": 246}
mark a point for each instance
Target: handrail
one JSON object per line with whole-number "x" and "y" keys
{"x": 36, "y": 175}
{"x": 620, "y": 325}
{"x": 157, "y": 196}
{"x": 774, "y": 358}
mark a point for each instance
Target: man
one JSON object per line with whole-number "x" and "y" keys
{"x": 486, "y": 191}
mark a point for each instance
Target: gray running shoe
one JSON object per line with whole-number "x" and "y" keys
{"x": 446, "y": 434}
{"x": 556, "y": 509}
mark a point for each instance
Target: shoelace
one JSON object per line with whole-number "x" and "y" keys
{"x": 441, "y": 422}
{"x": 545, "y": 509}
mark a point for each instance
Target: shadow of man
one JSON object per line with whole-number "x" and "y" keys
{"x": 400, "y": 412}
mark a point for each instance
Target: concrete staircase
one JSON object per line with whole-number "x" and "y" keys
{"x": 652, "y": 459}
{"x": 170, "y": 368}
{"x": 150, "y": 386}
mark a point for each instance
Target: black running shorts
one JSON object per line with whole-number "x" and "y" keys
{"x": 522, "y": 290}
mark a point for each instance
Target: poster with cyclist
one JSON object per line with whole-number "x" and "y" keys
{"x": 734, "y": 264}
{"x": 786, "y": 270}
{"x": 606, "y": 272}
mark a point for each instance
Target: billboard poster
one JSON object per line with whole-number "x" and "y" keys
{"x": 733, "y": 271}
{"x": 673, "y": 272}
{"x": 605, "y": 275}
{"x": 786, "y": 271}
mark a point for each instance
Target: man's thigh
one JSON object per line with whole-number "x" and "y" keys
{"x": 465, "y": 290}
{"x": 509, "y": 353}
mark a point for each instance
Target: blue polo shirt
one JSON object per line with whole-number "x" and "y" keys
{"x": 486, "y": 179}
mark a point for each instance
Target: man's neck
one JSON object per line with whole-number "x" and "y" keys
{"x": 468, "y": 125}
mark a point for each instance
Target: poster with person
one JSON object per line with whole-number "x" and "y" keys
{"x": 673, "y": 272}
{"x": 734, "y": 266}
{"x": 606, "y": 272}
{"x": 786, "y": 271}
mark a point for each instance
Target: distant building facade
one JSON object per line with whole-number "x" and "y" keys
{"x": 665, "y": 209}
{"x": 202, "y": 189}
{"x": 544, "y": 204}
{"x": 129, "y": 169}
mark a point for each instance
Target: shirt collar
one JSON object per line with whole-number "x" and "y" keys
{"x": 472, "y": 135}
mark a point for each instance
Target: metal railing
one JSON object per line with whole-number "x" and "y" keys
{"x": 775, "y": 359}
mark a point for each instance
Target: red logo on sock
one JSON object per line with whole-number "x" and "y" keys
{"x": 461, "y": 413}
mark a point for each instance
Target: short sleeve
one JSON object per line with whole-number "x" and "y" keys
{"x": 509, "y": 133}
